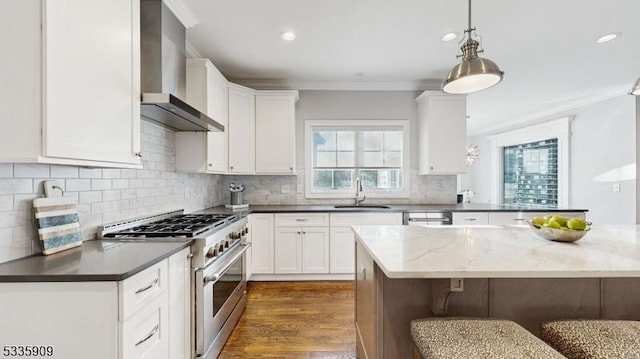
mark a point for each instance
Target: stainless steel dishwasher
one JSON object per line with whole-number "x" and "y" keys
{"x": 427, "y": 218}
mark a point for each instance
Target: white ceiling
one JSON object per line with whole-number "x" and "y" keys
{"x": 546, "y": 48}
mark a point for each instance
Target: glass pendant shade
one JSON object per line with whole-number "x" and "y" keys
{"x": 635, "y": 90}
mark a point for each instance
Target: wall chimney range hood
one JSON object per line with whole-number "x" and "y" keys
{"x": 164, "y": 71}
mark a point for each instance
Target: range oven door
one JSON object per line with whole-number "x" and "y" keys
{"x": 219, "y": 287}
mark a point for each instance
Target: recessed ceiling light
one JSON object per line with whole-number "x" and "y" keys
{"x": 449, "y": 36}
{"x": 288, "y": 35}
{"x": 608, "y": 37}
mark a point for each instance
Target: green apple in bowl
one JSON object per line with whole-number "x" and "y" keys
{"x": 577, "y": 224}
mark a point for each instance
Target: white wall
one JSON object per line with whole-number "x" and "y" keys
{"x": 103, "y": 195}
{"x": 603, "y": 139}
{"x": 349, "y": 105}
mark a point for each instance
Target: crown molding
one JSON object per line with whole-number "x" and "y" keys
{"x": 340, "y": 85}
{"x": 183, "y": 12}
{"x": 548, "y": 113}
{"x": 191, "y": 51}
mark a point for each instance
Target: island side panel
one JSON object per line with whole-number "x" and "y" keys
{"x": 530, "y": 301}
{"x": 620, "y": 298}
{"x": 403, "y": 300}
{"x": 366, "y": 305}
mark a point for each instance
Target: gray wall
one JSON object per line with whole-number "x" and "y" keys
{"x": 603, "y": 139}
{"x": 348, "y": 105}
{"x": 103, "y": 195}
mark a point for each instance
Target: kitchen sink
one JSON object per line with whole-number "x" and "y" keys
{"x": 365, "y": 206}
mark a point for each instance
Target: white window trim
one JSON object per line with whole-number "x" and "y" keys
{"x": 560, "y": 129}
{"x": 308, "y": 158}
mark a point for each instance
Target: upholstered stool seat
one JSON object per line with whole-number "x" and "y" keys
{"x": 590, "y": 339}
{"x": 462, "y": 338}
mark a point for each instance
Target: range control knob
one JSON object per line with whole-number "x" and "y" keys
{"x": 212, "y": 252}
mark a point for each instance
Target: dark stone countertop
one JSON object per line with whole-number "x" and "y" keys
{"x": 97, "y": 260}
{"x": 457, "y": 207}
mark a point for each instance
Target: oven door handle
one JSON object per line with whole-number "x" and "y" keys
{"x": 213, "y": 278}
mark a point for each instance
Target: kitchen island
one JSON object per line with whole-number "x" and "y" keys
{"x": 405, "y": 273}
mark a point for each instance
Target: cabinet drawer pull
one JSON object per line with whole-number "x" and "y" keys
{"x": 518, "y": 219}
{"x": 151, "y": 285}
{"x": 152, "y": 333}
{"x": 469, "y": 219}
{"x": 302, "y": 219}
{"x": 138, "y": 154}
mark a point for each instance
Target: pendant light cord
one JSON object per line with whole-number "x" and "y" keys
{"x": 469, "y": 28}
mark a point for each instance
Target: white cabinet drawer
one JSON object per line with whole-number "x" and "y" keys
{"x": 352, "y": 219}
{"x": 470, "y": 218}
{"x": 146, "y": 333}
{"x": 511, "y": 218}
{"x": 137, "y": 291}
{"x": 301, "y": 219}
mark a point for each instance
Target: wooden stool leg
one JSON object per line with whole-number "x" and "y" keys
{"x": 416, "y": 353}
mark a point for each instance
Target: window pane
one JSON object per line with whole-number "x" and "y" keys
{"x": 372, "y": 140}
{"x": 392, "y": 159}
{"x": 372, "y": 159}
{"x": 323, "y": 179}
{"x": 325, "y": 159}
{"x": 346, "y": 159}
{"x": 343, "y": 179}
{"x": 332, "y": 179}
{"x": 341, "y": 152}
{"x": 531, "y": 173}
{"x": 324, "y": 140}
{"x": 393, "y": 141}
{"x": 346, "y": 141}
{"x": 381, "y": 179}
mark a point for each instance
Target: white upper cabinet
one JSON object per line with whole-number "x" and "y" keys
{"x": 206, "y": 91}
{"x": 241, "y": 129}
{"x": 442, "y": 125}
{"x": 73, "y": 94}
{"x": 275, "y": 132}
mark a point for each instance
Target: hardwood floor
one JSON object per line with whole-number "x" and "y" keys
{"x": 311, "y": 320}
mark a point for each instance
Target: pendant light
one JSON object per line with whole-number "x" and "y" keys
{"x": 635, "y": 90}
{"x": 473, "y": 73}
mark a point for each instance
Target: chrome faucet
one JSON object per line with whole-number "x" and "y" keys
{"x": 359, "y": 192}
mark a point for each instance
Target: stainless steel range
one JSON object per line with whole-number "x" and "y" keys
{"x": 218, "y": 278}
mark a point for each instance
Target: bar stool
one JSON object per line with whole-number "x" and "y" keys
{"x": 587, "y": 339}
{"x": 462, "y": 338}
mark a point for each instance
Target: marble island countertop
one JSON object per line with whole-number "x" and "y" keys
{"x": 500, "y": 252}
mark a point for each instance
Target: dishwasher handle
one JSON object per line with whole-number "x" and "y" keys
{"x": 418, "y": 219}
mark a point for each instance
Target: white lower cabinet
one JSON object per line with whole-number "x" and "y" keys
{"x": 146, "y": 333}
{"x": 144, "y": 316}
{"x": 262, "y": 245}
{"x": 342, "y": 249}
{"x": 180, "y": 305}
{"x": 301, "y": 250}
{"x": 288, "y": 250}
{"x": 470, "y": 218}
{"x": 301, "y": 243}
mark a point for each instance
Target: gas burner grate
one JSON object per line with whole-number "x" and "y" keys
{"x": 183, "y": 225}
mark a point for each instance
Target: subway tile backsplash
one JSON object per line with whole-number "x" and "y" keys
{"x": 106, "y": 195}
{"x": 268, "y": 190}
{"x": 103, "y": 194}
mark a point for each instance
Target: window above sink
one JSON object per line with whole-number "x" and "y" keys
{"x": 338, "y": 152}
